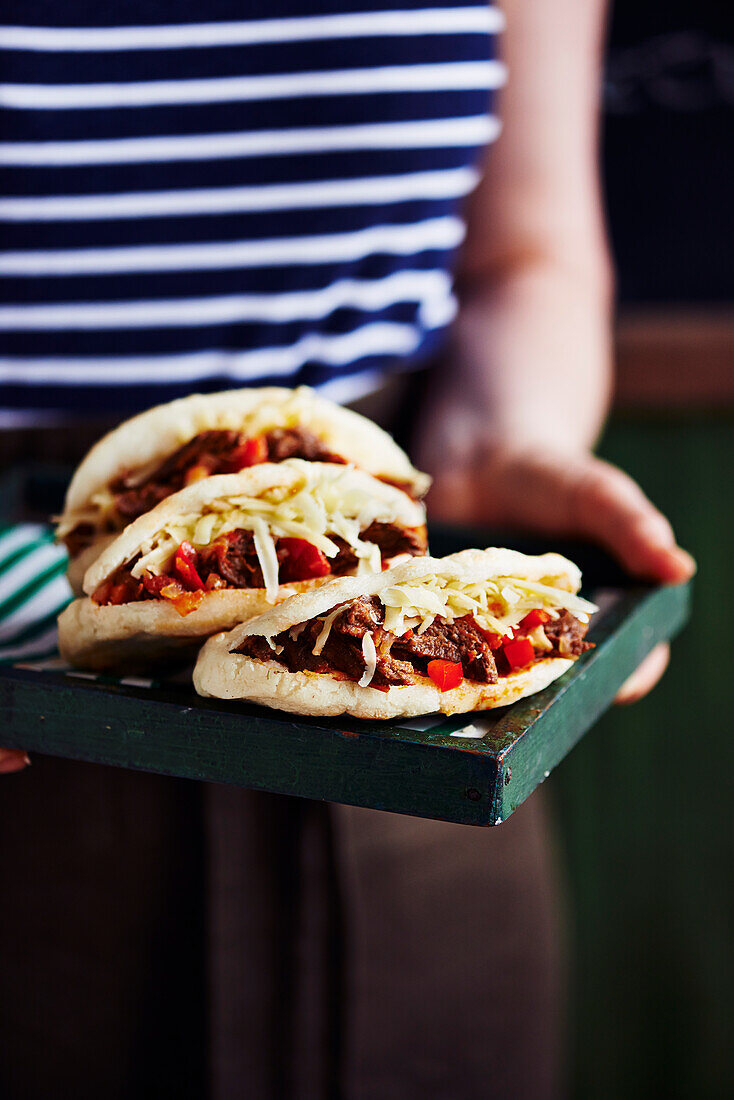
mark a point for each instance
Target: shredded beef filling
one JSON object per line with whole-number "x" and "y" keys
{"x": 399, "y": 659}
{"x": 231, "y": 561}
{"x": 392, "y": 540}
{"x": 459, "y": 641}
{"x": 233, "y": 558}
{"x": 210, "y": 450}
{"x": 214, "y": 452}
{"x": 567, "y": 636}
{"x": 343, "y": 649}
{"x": 284, "y": 443}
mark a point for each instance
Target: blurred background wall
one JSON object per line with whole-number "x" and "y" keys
{"x": 644, "y": 802}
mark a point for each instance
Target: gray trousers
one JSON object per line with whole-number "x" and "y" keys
{"x": 421, "y": 957}
{"x": 161, "y": 938}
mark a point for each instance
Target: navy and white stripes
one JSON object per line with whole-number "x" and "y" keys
{"x": 189, "y": 205}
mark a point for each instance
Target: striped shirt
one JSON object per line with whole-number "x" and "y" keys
{"x": 271, "y": 198}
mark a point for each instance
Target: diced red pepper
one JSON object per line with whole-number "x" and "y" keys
{"x": 300, "y": 560}
{"x": 493, "y": 640}
{"x": 172, "y": 590}
{"x": 407, "y": 635}
{"x": 445, "y": 674}
{"x": 534, "y": 618}
{"x": 117, "y": 591}
{"x": 154, "y": 582}
{"x": 188, "y": 602}
{"x": 101, "y": 592}
{"x": 184, "y": 602}
{"x": 121, "y": 593}
{"x": 518, "y": 653}
{"x": 250, "y": 453}
{"x": 185, "y": 565}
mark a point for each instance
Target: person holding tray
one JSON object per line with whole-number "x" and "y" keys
{"x": 288, "y": 196}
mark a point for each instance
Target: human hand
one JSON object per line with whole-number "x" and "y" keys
{"x": 13, "y": 760}
{"x": 551, "y": 492}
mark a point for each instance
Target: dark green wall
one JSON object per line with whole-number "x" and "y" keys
{"x": 645, "y": 811}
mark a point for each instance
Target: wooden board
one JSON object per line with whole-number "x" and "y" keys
{"x": 427, "y": 767}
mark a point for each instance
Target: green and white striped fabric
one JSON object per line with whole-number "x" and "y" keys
{"x": 33, "y": 591}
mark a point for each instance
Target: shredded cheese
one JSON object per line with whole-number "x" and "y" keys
{"x": 539, "y": 639}
{"x": 325, "y": 631}
{"x": 267, "y": 556}
{"x": 497, "y": 605}
{"x": 370, "y": 659}
{"x": 322, "y": 503}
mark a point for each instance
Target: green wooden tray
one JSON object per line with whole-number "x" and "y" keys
{"x": 475, "y": 769}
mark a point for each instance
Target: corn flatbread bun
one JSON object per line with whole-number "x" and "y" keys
{"x": 336, "y": 499}
{"x": 270, "y": 685}
{"x": 225, "y": 674}
{"x": 145, "y": 441}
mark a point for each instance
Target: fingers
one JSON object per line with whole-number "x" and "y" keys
{"x": 610, "y": 507}
{"x": 13, "y": 760}
{"x": 568, "y": 494}
{"x": 554, "y": 493}
{"x": 645, "y": 677}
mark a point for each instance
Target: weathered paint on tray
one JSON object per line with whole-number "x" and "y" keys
{"x": 386, "y": 765}
{"x": 246, "y": 746}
